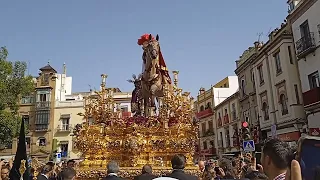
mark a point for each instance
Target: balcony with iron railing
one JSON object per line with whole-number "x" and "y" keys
{"x": 205, "y": 113}
{"x": 64, "y": 128}
{"x": 311, "y": 97}
{"x": 208, "y": 133}
{"x": 305, "y": 45}
{"x": 41, "y": 127}
{"x": 43, "y": 105}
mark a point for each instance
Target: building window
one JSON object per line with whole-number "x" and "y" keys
{"x": 42, "y": 120}
{"x": 243, "y": 86}
{"x": 221, "y": 136}
{"x": 314, "y": 81}
{"x": 205, "y": 145}
{"x": 26, "y": 120}
{"x": 64, "y": 149}
{"x": 227, "y": 137}
{"x": 45, "y": 79}
{"x": 225, "y": 85}
{"x": 253, "y": 80}
{"x": 201, "y": 108}
{"x": 290, "y": 55}
{"x": 203, "y": 128}
{"x": 260, "y": 70}
{"x": 265, "y": 110}
{"x": 234, "y": 111}
{"x": 28, "y": 142}
{"x": 304, "y": 29}
{"x": 276, "y": 57}
{"x": 27, "y": 100}
{"x": 208, "y": 106}
{"x": 297, "y": 93}
{"x": 284, "y": 106}
{"x": 65, "y": 124}
{"x": 210, "y": 124}
{"x": 42, "y": 141}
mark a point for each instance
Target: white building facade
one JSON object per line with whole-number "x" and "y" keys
{"x": 227, "y": 118}
{"x": 278, "y": 87}
{"x": 305, "y": 22}
{"x": 206, "y": 101}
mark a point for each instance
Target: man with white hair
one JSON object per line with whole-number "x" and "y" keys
{"x": 112, "y": 170}
{"x": 201, "y": 165}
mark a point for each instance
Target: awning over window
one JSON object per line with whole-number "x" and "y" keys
{"x": 64, "y": 116}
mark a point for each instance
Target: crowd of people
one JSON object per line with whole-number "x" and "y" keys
{"x": 276, "y": 164}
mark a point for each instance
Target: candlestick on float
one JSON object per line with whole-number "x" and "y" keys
{"x": 175, "y": 76}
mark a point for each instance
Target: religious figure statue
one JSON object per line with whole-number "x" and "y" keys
{"x": 136, "y": 99}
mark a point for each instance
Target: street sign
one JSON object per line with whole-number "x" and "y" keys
{"x": 58, "y": 158}
{"x": 273, "y": 131}
{"x": 249, "y": 146}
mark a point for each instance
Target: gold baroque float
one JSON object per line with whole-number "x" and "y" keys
{"x": 161, "y": 127}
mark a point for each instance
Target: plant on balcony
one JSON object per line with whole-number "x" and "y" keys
{"x": 13, "y": 85}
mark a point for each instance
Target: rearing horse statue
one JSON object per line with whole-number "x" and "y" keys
{"x": 155, "y": 76}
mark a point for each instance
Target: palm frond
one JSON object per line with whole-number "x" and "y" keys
{"x": 130, "y": 81}
{"x": 134, "y": 76}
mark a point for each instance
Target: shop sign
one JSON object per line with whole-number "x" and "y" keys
{"x": 314, "y": 131}
{"x": 292, "y": 136}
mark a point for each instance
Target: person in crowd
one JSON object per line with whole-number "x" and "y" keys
{"x": 46, "y": 172}
{"x": 146, "y": 173}
{"x": 112, "y": 170}
{"x": 209, "y": 173}
{"x": 70, "y": 163}
{"x": 5, "y": 170}
{"x": 275, "y": 159}
{"x": 69, "y": 174}
{"x": 178, "y": 164}
{"x": 256, "y": 175}
{"x": 201, "y": 165}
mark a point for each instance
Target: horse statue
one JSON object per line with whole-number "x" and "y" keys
{"x": 155, "y": 76}
{"x": 136, "y": 99}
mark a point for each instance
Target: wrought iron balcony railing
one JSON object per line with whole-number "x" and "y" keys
{"x": 43, "y": 104}
{"x": 305, "y": 45}
{"x": 64, "y": 128}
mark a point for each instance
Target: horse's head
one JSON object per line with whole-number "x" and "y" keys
{"x": 151, "y": 47}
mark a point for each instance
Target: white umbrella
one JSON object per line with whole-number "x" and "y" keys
{"x": 165, "y": 178}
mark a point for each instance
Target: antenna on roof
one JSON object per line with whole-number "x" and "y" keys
{"x": 259, "y": 36}
{"x": 269, "y": 32}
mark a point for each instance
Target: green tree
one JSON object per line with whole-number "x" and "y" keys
{"x": 14, "y": 84}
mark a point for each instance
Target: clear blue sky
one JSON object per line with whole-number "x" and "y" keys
{"x": 201, "y": 39}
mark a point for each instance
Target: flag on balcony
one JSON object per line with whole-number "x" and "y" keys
{"x": 21, "y": 155}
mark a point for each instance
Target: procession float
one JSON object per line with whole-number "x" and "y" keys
{"x": 161, "y": 125}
